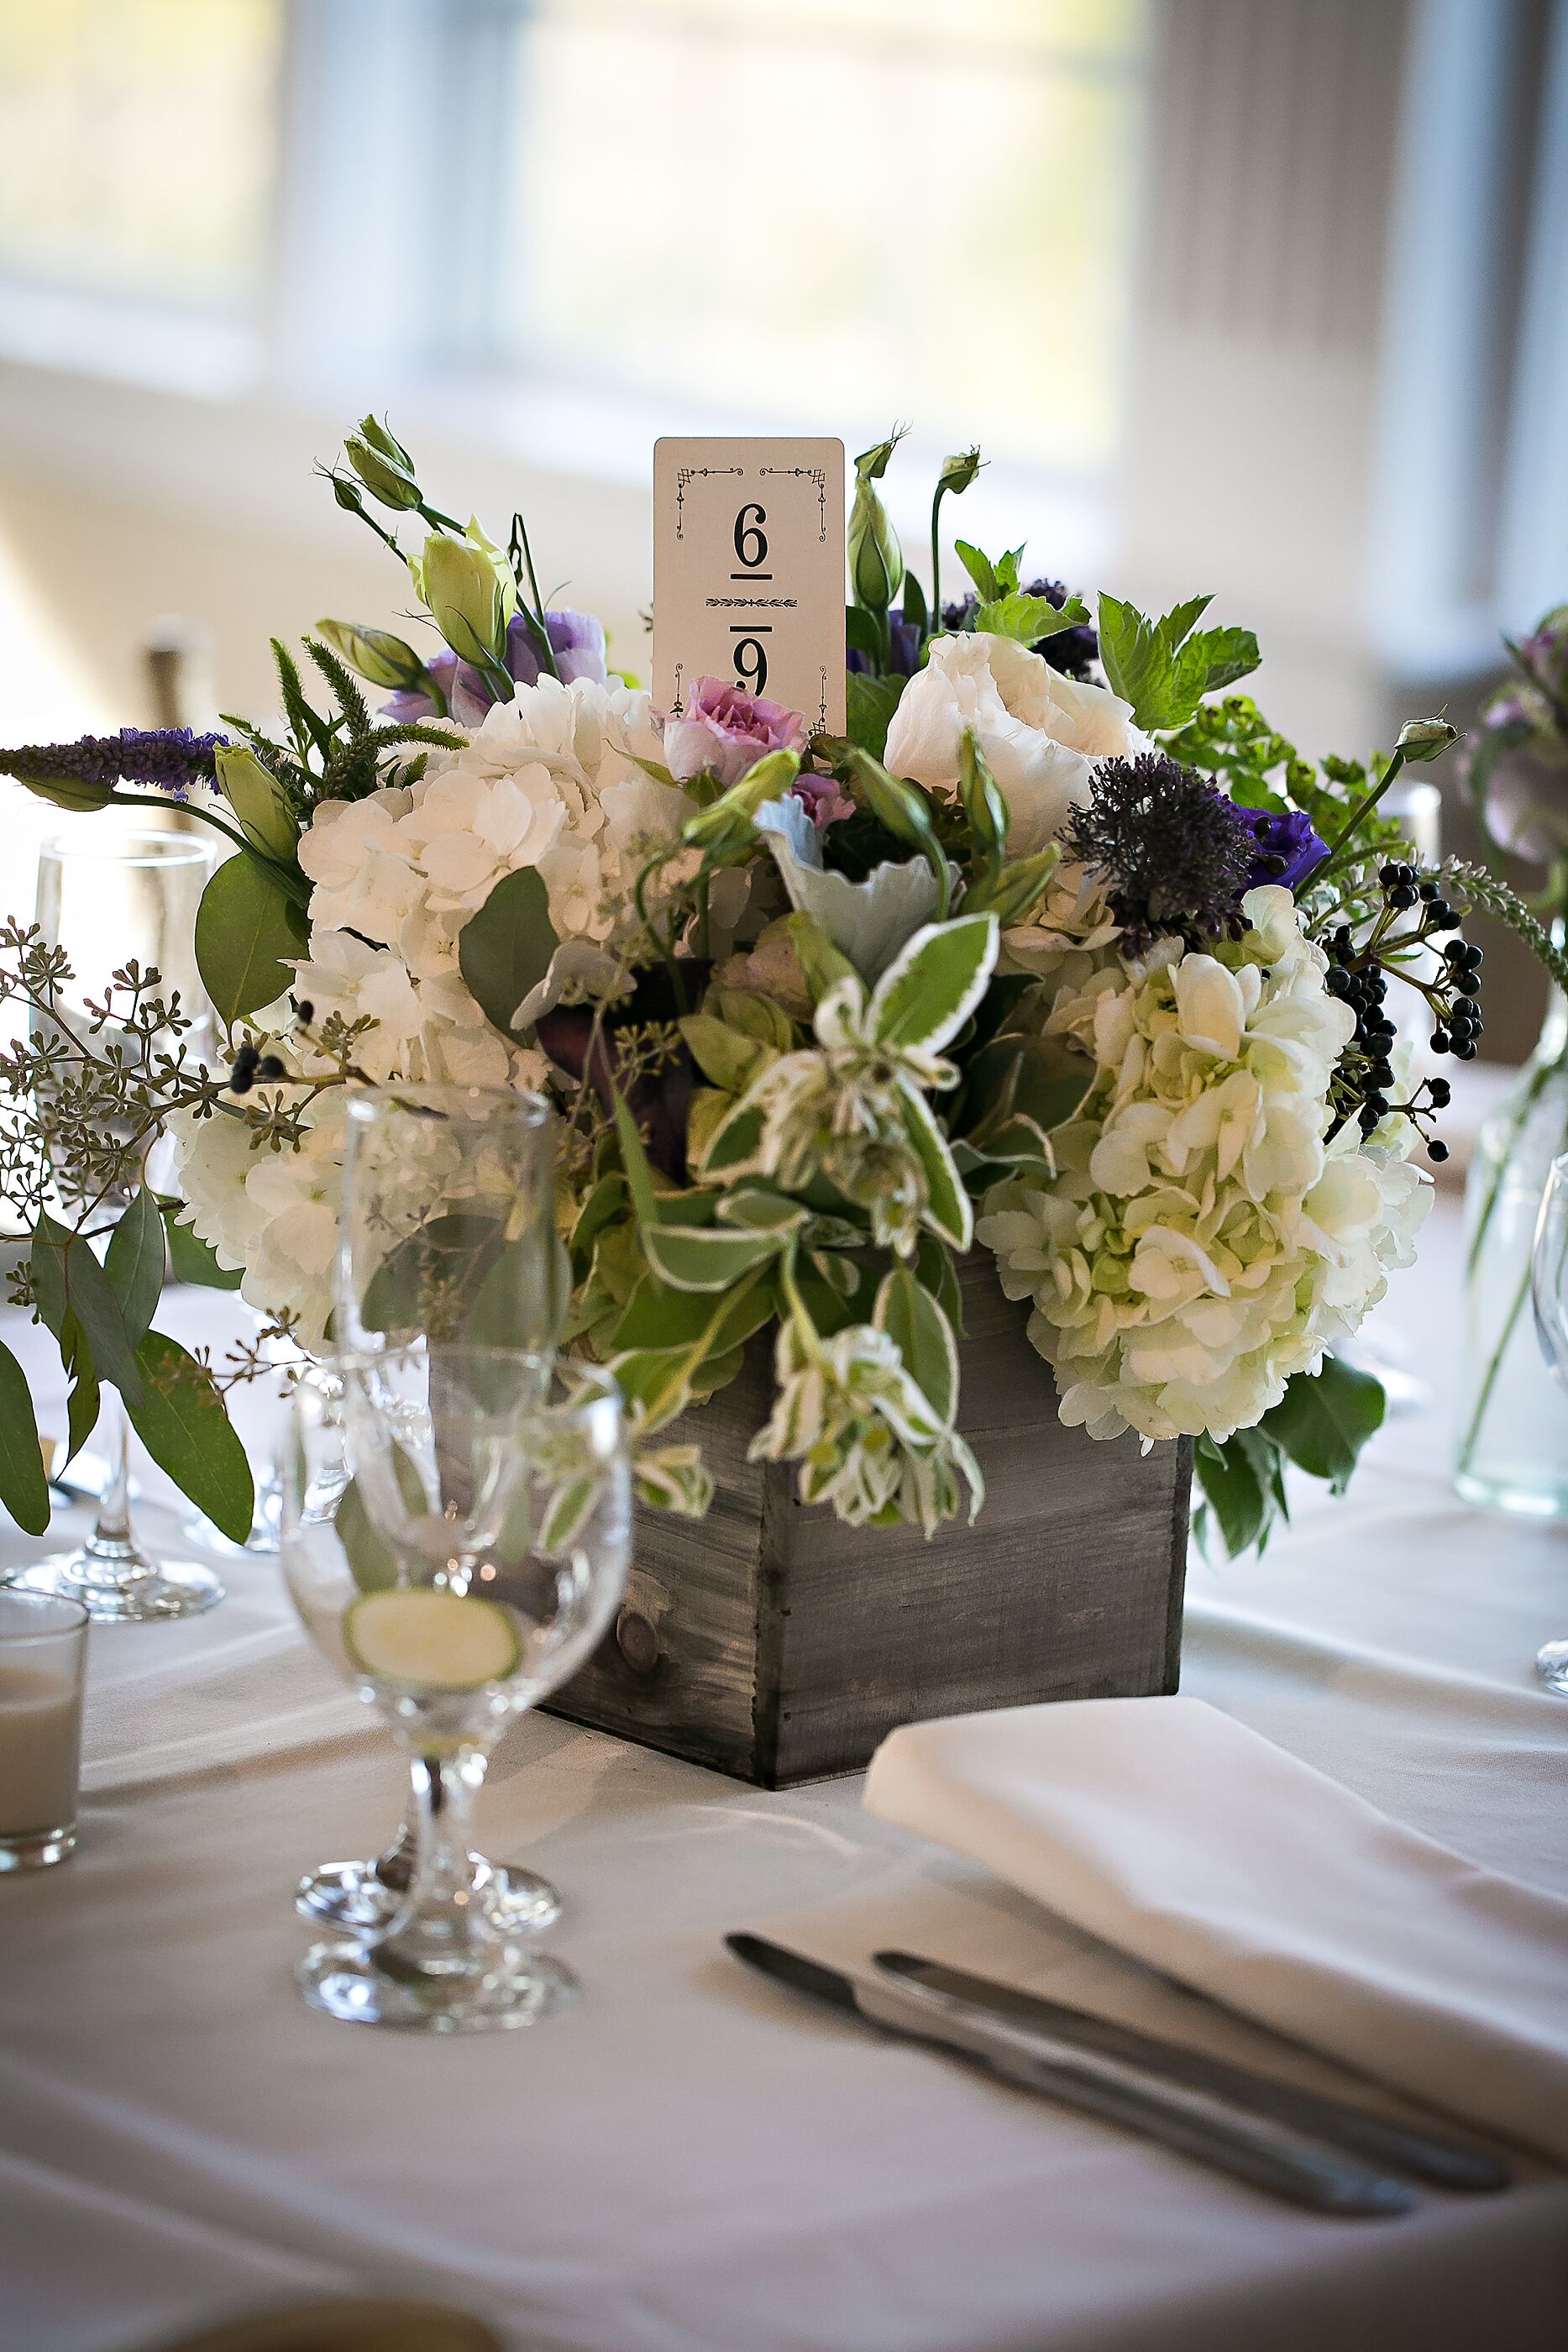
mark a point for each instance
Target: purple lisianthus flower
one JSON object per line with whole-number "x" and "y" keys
{"x": 724, "y": 733}
{"x": 1287, "y": 850}
{"x": 904, "y": 641}
{"x": 825, "y": 803}
{"x": 577, "y": 640}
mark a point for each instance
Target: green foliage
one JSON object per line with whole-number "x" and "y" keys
{"x": 1029, "y": 618}
{"x": 505, "y": 949}
{"x": 870, "y": 703}
{"x": 1321, "y": 1425}
{"x": 907, "y": 1312}
{"x": 934, "y": 983}
{"x": 179, "y": 1416}
{"x": 245, "y": 925}
{"x": 24, "y": 1488}
{"x": 1161, "y": 668}
{"x": 134, "y": 1263}
{"x": 190, "y": 1259}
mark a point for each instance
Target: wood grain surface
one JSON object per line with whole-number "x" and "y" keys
{"x": 776, "y": 1643}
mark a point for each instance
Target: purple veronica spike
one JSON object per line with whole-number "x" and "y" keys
{"x": 172, "y": 758}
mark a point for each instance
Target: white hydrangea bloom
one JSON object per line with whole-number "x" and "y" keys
{"x": 274, "y": 1213}
{"x": 1202, "y": 1240}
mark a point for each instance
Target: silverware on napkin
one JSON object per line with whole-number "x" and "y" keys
{"x": 1430, "y": 2155}
{"x": 1237, "y": 2140}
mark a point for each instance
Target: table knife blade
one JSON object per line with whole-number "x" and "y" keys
{"x": 1433, "y": 2157}
{"x": 1248, "y": 2146}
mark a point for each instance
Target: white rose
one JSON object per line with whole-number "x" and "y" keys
{"x": 1040, "y": 732}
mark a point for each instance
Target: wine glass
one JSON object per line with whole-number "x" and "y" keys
{"x": 447, "y": 1219}
{"x": 109, "y": 896}
{"x": 456, "y": 1532}
{"x": 1549, "y": 1297}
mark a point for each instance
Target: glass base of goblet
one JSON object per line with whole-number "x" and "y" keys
{"x": 1551, "y": 1665}
{"x": 119, "y": 1586}
{"x": 358, "y": 1896}
{"x": 356, "y": 1983}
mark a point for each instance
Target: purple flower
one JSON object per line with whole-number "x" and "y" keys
{"x": 905, "y": 642}
{"x": 825, "y": 804}
{"x": 576, "y": 639}
{"x": 1172, "y": 851}
{"x": 172, "y": 758}
{"x": 1287, "y": 851}
{"x": 724, "y": 733}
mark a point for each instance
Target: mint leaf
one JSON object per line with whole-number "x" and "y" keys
{"x": 1161, "y": 667}
{"x": 1029, "y": 618}
{"x": 981, "y": 571}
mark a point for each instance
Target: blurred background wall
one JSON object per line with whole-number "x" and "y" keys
{"x": 1266, "y": 296}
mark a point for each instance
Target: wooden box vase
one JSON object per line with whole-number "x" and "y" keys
{"x": 773, "y": 1642}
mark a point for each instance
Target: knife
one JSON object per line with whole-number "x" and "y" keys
{"x": 1249, "y": 2146}
{"x": 1446, "y": 2163}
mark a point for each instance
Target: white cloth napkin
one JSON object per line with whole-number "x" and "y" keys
{"x": 1179, "y": 1837}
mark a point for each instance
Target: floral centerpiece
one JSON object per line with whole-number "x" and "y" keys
{"x": 1060, "y": 951}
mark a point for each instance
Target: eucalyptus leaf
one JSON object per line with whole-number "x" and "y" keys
{"x": 24, "y": 1489}
{"x": 246, "y": 925}
{"x": 97, "y": 1310}
{"x": 179, "y": 1416}
{"x": 83, "y": 1401}
{"x": 134, "y": 1263}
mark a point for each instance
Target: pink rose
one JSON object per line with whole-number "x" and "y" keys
{"x": 724, "y": 733}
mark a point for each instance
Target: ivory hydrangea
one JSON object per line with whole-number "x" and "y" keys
{"x": 1203, "y": 1238}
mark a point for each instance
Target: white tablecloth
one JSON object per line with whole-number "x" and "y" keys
{"x": 689, "y": 2159}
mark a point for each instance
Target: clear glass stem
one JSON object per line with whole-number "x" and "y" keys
{"x": 441, "y": 1930}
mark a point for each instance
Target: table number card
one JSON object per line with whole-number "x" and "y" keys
{"x": 748, "y": 571}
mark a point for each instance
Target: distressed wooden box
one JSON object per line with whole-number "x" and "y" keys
{"x": 776, "y": 1643}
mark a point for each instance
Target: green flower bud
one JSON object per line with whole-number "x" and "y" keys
{"x": 386, "y": 480}
{"x": 876, "y": 560}
{"x": 957, "y": 473}
{"x": 469, "y": 587}
{"x": 722, "y": 831}
{"x": 258, "y": 801}
{"x": 1425, "y": 739}
{"x": 1015, "y": 889}
{"x": 983, "y": 800}
{"x": 377, "y": 655}
{"x": 379, "y": 437}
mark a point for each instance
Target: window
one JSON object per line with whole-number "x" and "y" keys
{"x": 825, "y": 210}
{"x": 137, "y": 147}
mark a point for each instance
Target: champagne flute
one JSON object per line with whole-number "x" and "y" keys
{"x": 446, "y": 1227}
{"x": 109, "y": 896}
{"x": 1549, "y": 1297}
{"x": 456, "y": 1532}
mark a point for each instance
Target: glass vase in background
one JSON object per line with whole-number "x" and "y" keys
{"x": 456, "y": 1532}
{"x": 1549, "y": 1299}
{"x": 109, "y": 896}
{"x": 1513, "y": 1432}
{"x": 446, "y": 1225}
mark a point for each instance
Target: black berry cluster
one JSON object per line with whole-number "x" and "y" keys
{"x": 251, "y": 1065}
{"x": 1359, "y": 972}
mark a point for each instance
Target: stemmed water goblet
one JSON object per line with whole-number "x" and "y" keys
{"x": 107, "y": 898}
{"x": 1549, "y": 1297}
{"x": 456, "y": 1532}
{"x": 447, "y": 1231}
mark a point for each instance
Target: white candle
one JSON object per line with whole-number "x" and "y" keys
{"x": 40, "y": 1747}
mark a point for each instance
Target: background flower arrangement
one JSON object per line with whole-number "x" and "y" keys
{"x": 1097, "y": 956}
